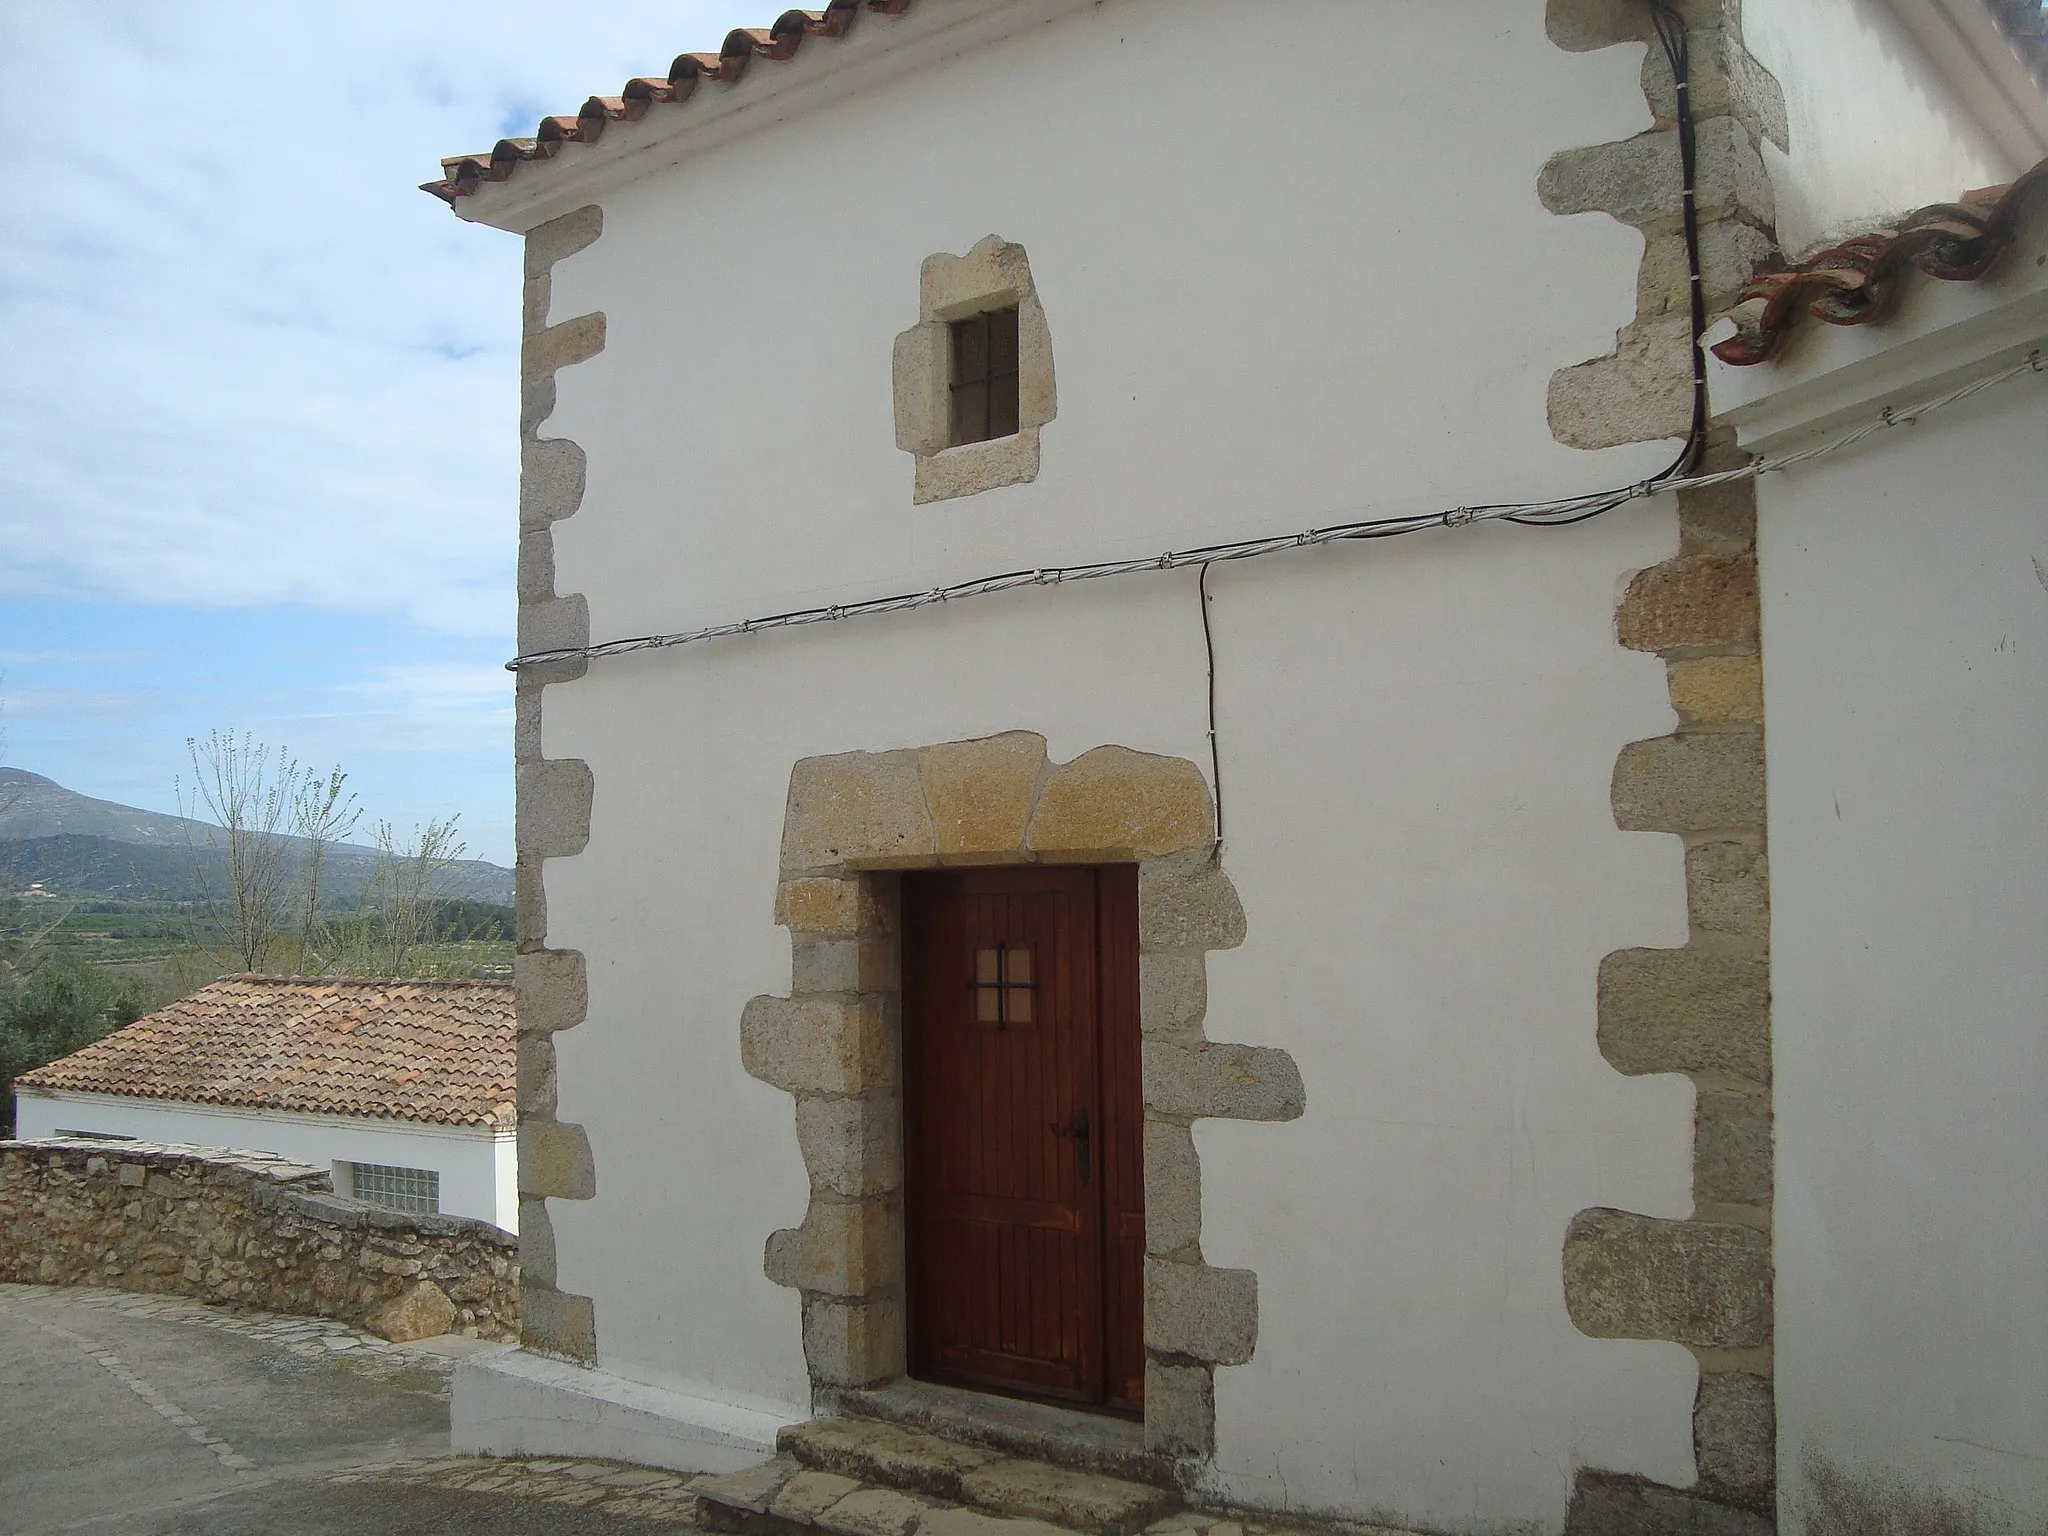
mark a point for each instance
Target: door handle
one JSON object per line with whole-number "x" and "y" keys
{"x": 1083, "y": 1136}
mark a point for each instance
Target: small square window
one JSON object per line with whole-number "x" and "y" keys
{"x": 1002, "y": 985}
{"x": 984, "y": 382}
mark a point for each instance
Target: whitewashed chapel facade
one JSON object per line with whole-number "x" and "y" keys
{"x": 1407, "y": 1143}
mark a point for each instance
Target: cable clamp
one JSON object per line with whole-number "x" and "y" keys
{"x": 1457, "y": 517}
{"x": 1166, "y": 561}
{"x": 2034, "y": 361}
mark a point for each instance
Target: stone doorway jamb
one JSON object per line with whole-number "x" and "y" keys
{"x": 854, "y": 822}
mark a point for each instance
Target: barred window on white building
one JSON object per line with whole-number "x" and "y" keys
{"x": 397, "y": 1189}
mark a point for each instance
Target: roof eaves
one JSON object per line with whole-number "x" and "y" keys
{"x": 461, "y": 174}
{"x": 1858, "y": 281}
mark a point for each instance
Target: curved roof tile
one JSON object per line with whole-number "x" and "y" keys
{"x": 777, "y": 44}
{"x": 1859, "y": 280}
{"x": 437, "y": 1052}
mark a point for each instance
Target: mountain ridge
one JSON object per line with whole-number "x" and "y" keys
{"x": 73, "y": 838}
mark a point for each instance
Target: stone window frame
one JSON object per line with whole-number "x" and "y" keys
{"x": 854, "y": 823}
{"x": 995, "y": 274}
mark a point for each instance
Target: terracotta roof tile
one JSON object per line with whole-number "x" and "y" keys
{"x": 1859, "y": 280}
{"x": 441, "y": 1052}
{"x": 743, "y": 45}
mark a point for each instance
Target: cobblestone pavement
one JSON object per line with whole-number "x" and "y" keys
{"x": 157, "y": 1416}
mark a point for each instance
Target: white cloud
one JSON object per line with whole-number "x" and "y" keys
{"x": 72, "y": 703}
{"x": 247, "y": 362}
{"x": 432, "y": 706}
{"x": 438, "y": 685}
{"x": 76, "y": 658}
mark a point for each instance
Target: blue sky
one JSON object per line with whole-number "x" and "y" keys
{"x": 258, "y": 394}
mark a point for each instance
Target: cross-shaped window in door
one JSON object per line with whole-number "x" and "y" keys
{"x": 1002, "y": 985}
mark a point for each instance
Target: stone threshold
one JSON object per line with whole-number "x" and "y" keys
{"x": 1065, "y": 1437}
{"x": 863, "y": 1477}
{"x": 855, "y": 1477}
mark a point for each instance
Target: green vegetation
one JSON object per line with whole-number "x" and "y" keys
{"x": 64, "y": 1006}
{"x": 99, "y": 932}
{"x": 457, "y": 936}
{"x": 74, "y": 969}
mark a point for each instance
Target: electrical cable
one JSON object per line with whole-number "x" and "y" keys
{"x": 1215, "y": 754}
{"x": 1555, "y": 513}
{"x": 1672, "y": 35}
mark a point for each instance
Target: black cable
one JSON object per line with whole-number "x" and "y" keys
{"x": 1671, "y": 33}
{"x": 1678, "y": 52}
{"x": 1215, "y": 754}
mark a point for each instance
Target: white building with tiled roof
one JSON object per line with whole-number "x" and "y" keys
{"x": 403, "y": 1088}
{"x": 1143, "y": 767}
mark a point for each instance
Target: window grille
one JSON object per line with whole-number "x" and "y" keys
{"x": 984, "y": 384}
{"x": 1002, "y": 985}
{"x": 397, "y": 1189}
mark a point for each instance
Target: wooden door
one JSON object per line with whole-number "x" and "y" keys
{"x": 1023, "y": 1132}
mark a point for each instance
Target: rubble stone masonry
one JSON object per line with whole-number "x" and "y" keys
{"x": 250, "y": 1229}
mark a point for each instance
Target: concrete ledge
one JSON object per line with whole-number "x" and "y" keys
{"x": 520, "y": 1404}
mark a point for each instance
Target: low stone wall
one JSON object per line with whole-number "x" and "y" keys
{"x": 247, "y": 1228}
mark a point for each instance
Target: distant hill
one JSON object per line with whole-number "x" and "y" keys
{"x": 72, "y": 842}
{"x": 72, "y": 862}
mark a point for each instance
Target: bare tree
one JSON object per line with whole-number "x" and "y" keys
{"x": 399, "y": 900}
{"x": 324, "y": 812}
{"x": 247, "y": 796}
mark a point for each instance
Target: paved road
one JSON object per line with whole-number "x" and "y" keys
{"x": 146, "y": 1416}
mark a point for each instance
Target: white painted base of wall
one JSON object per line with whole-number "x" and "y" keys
{"x": 522, "y": 1404}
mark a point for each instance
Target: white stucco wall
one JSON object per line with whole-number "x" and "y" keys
{"x": 1905, "y": 610}
{"x": 1875, "y": 127}
{"x": 1278, "y": 295}
{"x": 478, "y": 1168}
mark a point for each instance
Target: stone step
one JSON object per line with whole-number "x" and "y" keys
{"x": 853, "y": 1477}
{"x": 1087, "y": 1442}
